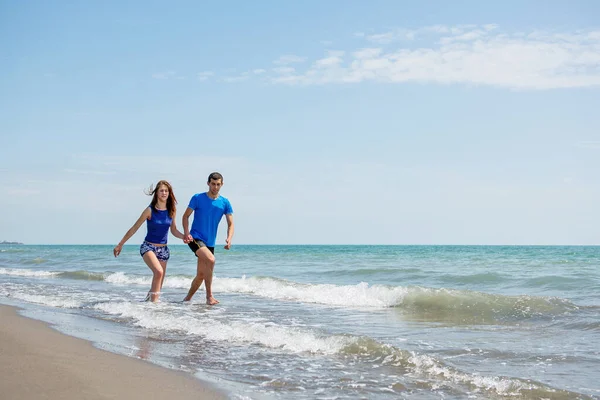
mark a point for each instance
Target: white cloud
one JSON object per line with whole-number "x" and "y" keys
{"x": 23, "y": 192}
{"x": 289, "y": 59}
{"x": 394, "y": 35}
{"x": 333, "y": 58}
{"x": 465, "y": 37}
{"x": 204, "y": 75}
{"x": 167, "y": 75}
{"x": 87, "y": 172}
{"x": 151, "y": 165}
{"x": 382, "y": 37}
{"x": 429, "y": 201}
{"x": 367, "y": 53}
{"x": 284, "y": 70}
{"x": 436, "y": 29}
{"x": 440, "y": 54}
{"x": 233, "y": 79}
{"x": 108, "y": 195}
{"x": 590, "y": 144}
{"x": 288, "y": 79}
{"x": 466, "y": 54}
{"x": 163, "y": 75}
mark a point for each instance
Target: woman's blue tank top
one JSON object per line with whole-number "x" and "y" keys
{"x": 158, "y": 226}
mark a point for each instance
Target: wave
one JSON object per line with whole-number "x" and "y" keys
{"x": 45, "y": 300}
{"x": 233, "y": 330}
{"x": 558, "y": 282}
{"x": 85, "y": 275}
{"x": 26, "y": 272}
{"x": 303, "y": 340}
{"x": 422, "y": 365}
{"x": 13, "y": 250}
{"x": 360, "y": 295}
{"x": 418, "y": 303}
{"x": 465, "y": 306}
{"x": 270, "y": 335}
{"x": 37, "y": 260}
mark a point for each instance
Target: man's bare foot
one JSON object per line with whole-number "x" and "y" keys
{"x": 211, "y": 301}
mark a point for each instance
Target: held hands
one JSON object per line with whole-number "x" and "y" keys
{"x": 117, "y": 250}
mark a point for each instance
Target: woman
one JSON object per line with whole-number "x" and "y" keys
{"x": 159, "y": 217}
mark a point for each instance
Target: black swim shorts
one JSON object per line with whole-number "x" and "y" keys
{"x": 197, "y": 244}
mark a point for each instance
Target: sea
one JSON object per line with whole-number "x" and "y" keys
{"x": 335, "y": 322}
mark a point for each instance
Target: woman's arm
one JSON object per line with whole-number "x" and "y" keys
{"x": 174, "y": 229}
{"x": 146, "y": 214}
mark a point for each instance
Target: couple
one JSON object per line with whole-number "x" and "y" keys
{"x": 208, "y": 209}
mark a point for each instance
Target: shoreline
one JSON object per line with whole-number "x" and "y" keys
{"x": 42, "y": 363}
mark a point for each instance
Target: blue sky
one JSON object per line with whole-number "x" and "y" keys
{"x": 333, "y": 122}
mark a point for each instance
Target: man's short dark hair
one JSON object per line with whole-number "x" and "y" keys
{"x": 215, "y": 176}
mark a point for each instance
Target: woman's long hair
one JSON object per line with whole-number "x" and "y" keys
{"x": 171, "y": 200}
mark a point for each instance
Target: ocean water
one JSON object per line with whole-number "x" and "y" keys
{"x": 336, "y": 322}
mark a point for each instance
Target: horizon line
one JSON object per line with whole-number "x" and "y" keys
{"x": 315, "y": 244}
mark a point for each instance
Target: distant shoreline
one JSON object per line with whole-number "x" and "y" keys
{"x": 5, "y": 242}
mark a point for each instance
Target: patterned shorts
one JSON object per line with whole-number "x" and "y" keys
{"x": 162, "y": 252}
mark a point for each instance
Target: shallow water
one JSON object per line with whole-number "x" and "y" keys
{"x": 337, "y": 322}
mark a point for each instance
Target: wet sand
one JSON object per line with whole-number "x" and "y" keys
{"x": 38, "y": 362}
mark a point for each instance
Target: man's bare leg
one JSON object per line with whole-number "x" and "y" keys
{"x": 208, "y": 274}
{"x": 205, "y": 265}
{"x": 196, "y": 283}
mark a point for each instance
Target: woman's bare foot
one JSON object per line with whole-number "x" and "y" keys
{"x": 152, "y": 296}
{"x": 211, "y": 301}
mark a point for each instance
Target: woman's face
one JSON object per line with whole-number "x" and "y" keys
{"x": 162, "y": 192}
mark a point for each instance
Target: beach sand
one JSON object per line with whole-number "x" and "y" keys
{"x": 38, "y": 362}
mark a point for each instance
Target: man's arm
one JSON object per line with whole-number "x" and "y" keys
{"x": 185, "y": 222}
{"x": 229, "y": 218}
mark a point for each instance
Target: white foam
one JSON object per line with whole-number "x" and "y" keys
{"x": 177, "y": 282}
{"x": 360, "y": 295}
{"x": 427, "y": 365}
{"x": 120, "y": 278}
{"x": 268, "y": 334}
{"x": 47, "y": 300}
{"x": 26, "y": 272}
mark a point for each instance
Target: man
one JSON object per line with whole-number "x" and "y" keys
{"x": 208, "y": 209}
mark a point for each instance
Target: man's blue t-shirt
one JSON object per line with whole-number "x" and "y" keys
{"x": 207, "y": 215}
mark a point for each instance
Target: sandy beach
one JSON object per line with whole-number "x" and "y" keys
{"x": 38, "y": 362}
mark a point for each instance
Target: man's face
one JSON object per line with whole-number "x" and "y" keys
{"x": 214, "y": 185}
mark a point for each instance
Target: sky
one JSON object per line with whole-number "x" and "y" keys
{"x": 333, "y": 122}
